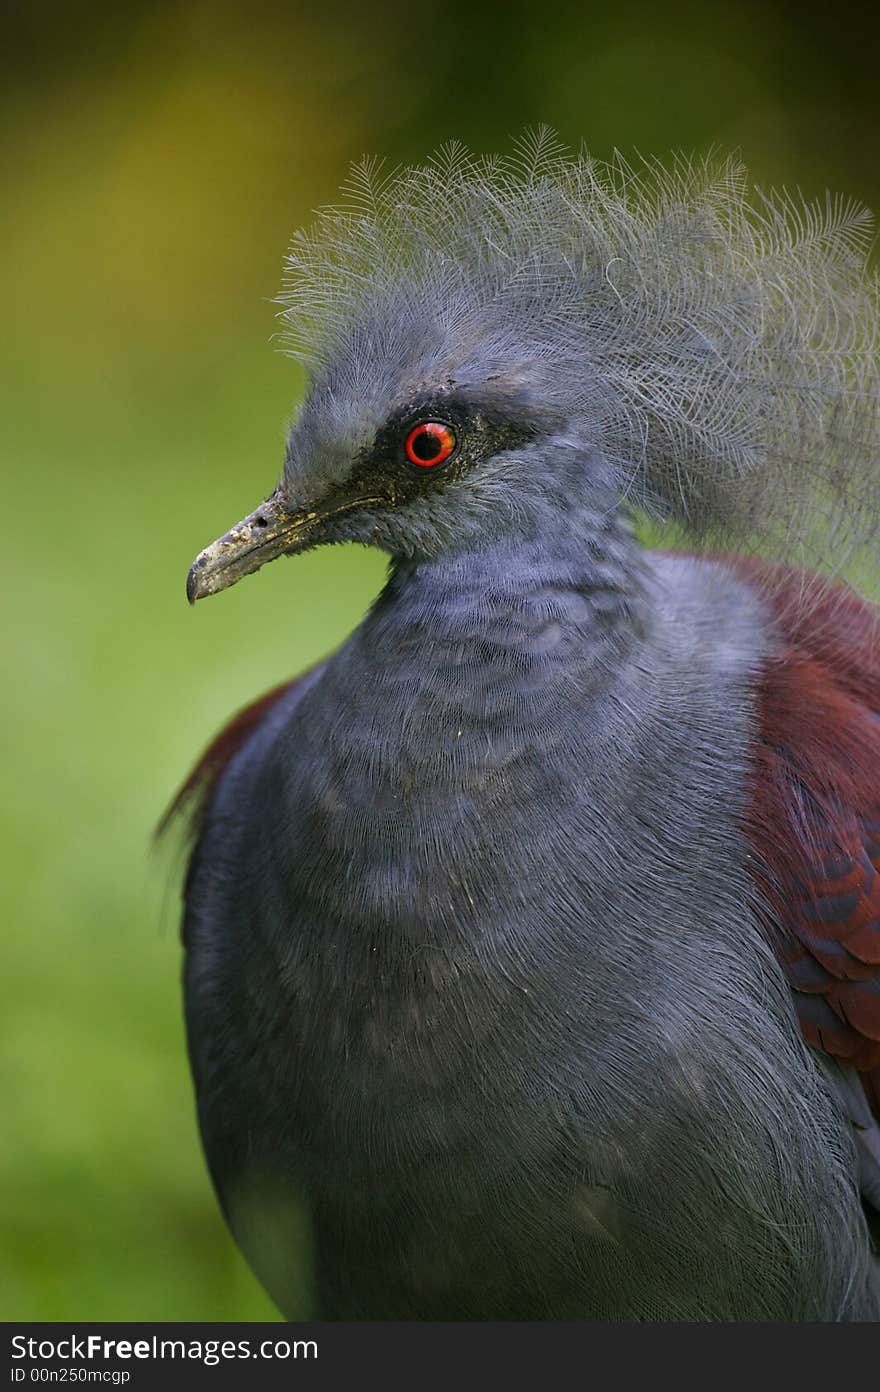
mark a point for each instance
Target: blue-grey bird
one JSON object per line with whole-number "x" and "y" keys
{"x": 533, "y": 939}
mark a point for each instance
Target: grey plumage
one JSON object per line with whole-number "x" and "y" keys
{"x": 479, "y": 987}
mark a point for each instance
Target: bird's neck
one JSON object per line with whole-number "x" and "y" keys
{"x": 471, "y": 697}
{"x": 467, "y": 672}
{"x": 510, "y": 625}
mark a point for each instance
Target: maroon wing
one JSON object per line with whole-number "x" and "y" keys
{"x": 194, "y": 797}
{"x": 814, "y": 816}
{"x": 196, "y": 791}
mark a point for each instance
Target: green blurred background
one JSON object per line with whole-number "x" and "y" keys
{"x": 155, "y": 159}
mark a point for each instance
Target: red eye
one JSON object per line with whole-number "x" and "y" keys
{"x": 430, "y": 443}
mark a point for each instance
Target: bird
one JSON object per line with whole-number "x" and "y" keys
{"x": 532, "y": 938}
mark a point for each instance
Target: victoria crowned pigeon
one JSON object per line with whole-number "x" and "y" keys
{"x": 533, "y": 938}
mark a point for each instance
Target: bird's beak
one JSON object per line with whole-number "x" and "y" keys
{"x": 273, "y": 529}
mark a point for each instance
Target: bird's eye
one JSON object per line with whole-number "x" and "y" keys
{"x": 429, "y": 443}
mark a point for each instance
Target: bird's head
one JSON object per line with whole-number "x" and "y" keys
{"x": 420, "y": 463}
{"x": 502, "y": 348}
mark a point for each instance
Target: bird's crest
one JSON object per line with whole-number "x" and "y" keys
{"x": 719, "y": 345}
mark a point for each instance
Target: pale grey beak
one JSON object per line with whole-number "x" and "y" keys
{"x": 269, "y": 531}
{"x": 273, "y": 529}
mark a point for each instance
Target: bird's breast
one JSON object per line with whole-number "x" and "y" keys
{"x": 424, "y": 805}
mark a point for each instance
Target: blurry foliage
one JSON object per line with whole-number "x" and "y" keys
{"x": 154, "y": 158}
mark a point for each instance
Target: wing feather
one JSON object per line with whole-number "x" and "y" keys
{"x": 814, "y": 815}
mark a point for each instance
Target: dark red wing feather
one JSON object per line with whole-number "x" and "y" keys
{"x": 198, "y": 788}
{"x": 814, "y": 818}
